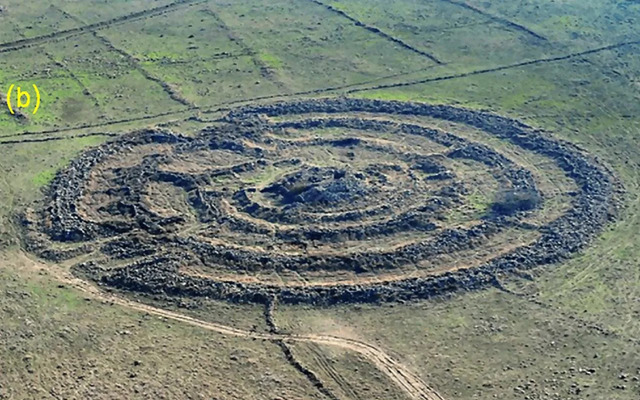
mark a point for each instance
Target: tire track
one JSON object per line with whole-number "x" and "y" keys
{"x": 378, "y": 32}
{"x": 309, "y": 374}
{"x": 63, "y": 34}
{"x": 322, "y": 362}
{"x": 314, "y": 379}
{"x": 406, "y": 380}
{"x": 496, "y": 18}
{"x": 500, "y": 68}
{"x": 398, "y": 373}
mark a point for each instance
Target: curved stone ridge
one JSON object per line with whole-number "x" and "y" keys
{"x": 354, "y": 198}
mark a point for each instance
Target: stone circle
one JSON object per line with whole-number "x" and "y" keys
{"x": 323, "y": 201}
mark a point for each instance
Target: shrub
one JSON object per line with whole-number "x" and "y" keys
{"x": 509, "y": 202}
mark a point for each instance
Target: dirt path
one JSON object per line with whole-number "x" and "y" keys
{"x": 403, "y": 377}
{"x": 321, "y": 360}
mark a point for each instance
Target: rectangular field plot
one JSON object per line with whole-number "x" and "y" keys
{"x": 25, "y": 64}
{"x": 64, "y": 102}
{"x": 94, "y": 11}
{"x": 36, "y": 19}
{"x": 82, "y": 81}
{"x": 183, "y": 36}
{"x": 502, "y": 32}
{"x": 122, "y": 89}
{"x": 31, "y": 19}
{"x": 577, "y": 24}
{"x": 305, "y": 46}
{"x": 456, "y": 35}
{"x": 207, "y": 83}
{"x": 199, "y": 56}
{"x": 64, "y": 99}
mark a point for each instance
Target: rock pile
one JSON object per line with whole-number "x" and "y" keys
{"x": 296, "y": 220}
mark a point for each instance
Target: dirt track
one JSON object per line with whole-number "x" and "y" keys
{"x": 401, "y": 375}
{"x": 327, "y": 200}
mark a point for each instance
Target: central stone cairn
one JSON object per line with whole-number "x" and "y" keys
{"x": 320, "y": 201}
{"x": 317, "y": 186}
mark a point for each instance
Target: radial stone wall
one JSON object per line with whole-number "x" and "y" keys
{"x": 322, "y": 202}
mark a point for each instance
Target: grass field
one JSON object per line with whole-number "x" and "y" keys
{"x": 572, "y": 67}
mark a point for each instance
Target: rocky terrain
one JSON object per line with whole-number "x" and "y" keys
{"x": 210, "y": 215}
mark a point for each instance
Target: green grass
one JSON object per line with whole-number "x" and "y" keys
{"x": 598, "y": 286}
{"x": 479, "y": 202}
{"x": 265, "y": 177}
{"x": 61, "y": 341}
{"x": 64, "y": 299}
{"x": 481, "y": 345}
{"x": 44, "y": 177}
{"x": 316, "y": 48}
{"x": 271, "y": 60}
{"x": 484, "y": 345}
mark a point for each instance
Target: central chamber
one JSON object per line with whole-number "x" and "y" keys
{"x": 324, "y": 201}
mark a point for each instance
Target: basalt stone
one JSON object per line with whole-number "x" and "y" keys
{"x": 248, "y": 227}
